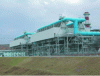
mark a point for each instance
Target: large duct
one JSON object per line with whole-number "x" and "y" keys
{"x": 75, "y": 23}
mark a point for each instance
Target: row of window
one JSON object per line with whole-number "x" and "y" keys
{"x": 20, "y": 38}
{"x": 48, "y": 27}
{"x": 14, "y": 52}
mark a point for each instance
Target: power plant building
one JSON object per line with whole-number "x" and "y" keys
{"x": 10, "y": 53}
{"x": 67, "y": 36}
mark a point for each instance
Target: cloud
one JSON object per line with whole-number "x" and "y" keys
{"x": 72, "y": 1}
{"x": 28, "y": 15}
{"x": 34, "y": 2}
{"x": 52, "y": 0}
{"x": 46, "y": 3}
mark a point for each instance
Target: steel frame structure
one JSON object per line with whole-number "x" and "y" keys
{"x": 67, "y": 44}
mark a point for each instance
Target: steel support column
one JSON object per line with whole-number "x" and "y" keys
{"x": 78, "y": 48}
{"x": 67, "y": 44}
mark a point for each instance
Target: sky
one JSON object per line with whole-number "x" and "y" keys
{"x": 19, "y": 16}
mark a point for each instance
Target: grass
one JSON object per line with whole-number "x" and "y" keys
{"x": 11, "y": 61}
{"x": 50, "y": 66}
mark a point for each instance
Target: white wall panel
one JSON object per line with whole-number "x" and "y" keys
{"x": 17, "y": 42}
{"x": 45, "y": 34}
{"x": 70, "y": 30}
{"x": 40, "y": 36}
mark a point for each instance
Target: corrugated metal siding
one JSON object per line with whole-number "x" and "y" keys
{"x": 17, "y": 42}
{"x": 50, "y": 33}
{"x": 44, "y": 34}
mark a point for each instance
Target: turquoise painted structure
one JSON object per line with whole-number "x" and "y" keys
{"x": 90, "y": 33}
{"x": 70, "y": 24}
{"x": 24, "y": 35}
{"x": 82, "y": 33}
{"x": 75, "y": 22}
{"x": 65, "y": 19}
{"x": 9, "y": 53}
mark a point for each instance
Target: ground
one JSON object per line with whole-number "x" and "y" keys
{"x": 50, "y": 66}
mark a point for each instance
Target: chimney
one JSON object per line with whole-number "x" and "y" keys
{"x": 87, "y": 23}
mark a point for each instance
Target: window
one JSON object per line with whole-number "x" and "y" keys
{"x": 45, "y": 28}
{"x": 55, "y": 25}
{"x": 84, "y": 38}
{"x": 49, "y": 27}
{"x": 41, "y": 29}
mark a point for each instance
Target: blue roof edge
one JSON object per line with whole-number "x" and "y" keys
{"x": 65, "y": 19}
{"x": 24, "y": 35}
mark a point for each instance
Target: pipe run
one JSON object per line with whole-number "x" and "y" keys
{"x": 75, "y": 23}
{"x": 24, "y": 35}
{"x": 65, "y": 19}
{"x": 90, "y": 33}
{"x": 75, "y": 27}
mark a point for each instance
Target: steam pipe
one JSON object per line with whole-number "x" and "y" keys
{"x": 65, "y": 19}
{"x": 24, "y": 35}
{"x": 82, "y": 33}
{"x": 75, "y": 27}
{"x": 90, "y": 33}
{"x": 70, "y": 24}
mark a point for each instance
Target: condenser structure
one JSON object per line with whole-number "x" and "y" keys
{"x": 67, "y": 36}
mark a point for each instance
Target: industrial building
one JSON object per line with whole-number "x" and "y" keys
{"x": 10, "y": 53}
{"x": 67, "y": 36}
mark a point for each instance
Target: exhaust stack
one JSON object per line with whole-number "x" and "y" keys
{"x": 87, "y": 23}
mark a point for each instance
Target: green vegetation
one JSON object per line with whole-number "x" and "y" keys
{"x": 11, "y": 61}
{"x": 50, "y": 66}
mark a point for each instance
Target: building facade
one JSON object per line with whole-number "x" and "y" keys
{"x": 11, "y": 53}
{"x": 67, "y": 36}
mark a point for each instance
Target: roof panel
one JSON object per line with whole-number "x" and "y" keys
{"x": 24, "y": 35}
{"x": 65, "y": 19}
